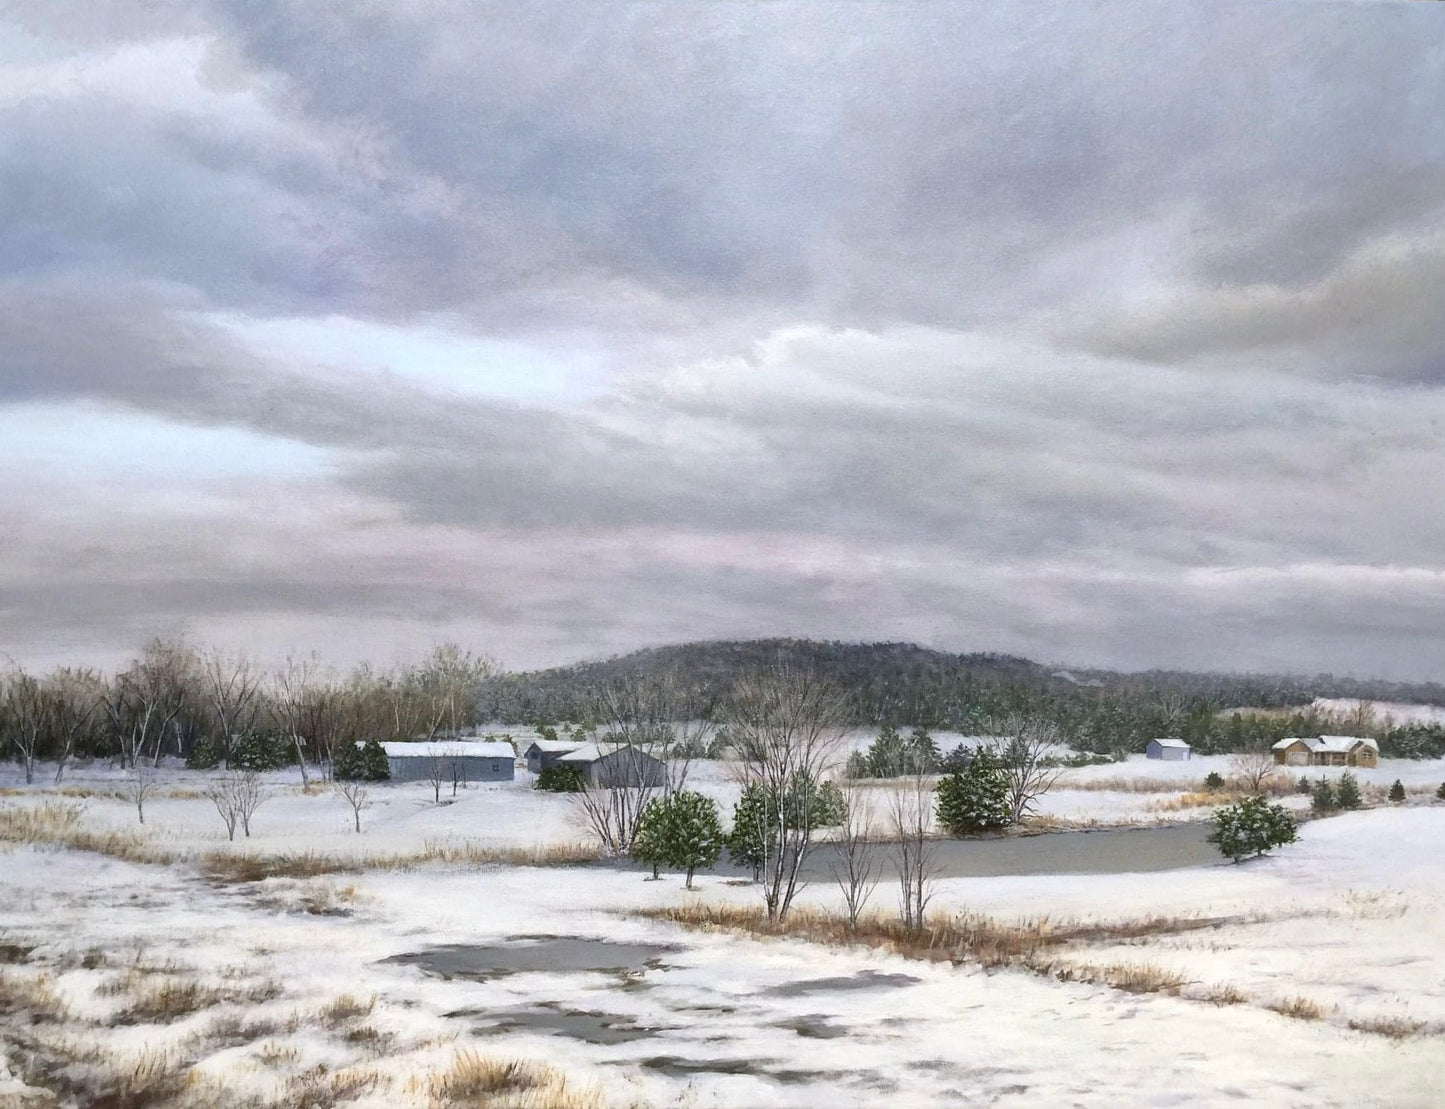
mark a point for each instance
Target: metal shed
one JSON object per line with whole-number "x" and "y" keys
{"x": 616, "y": 767}
{"x": 1169, "y": 748}
{"x": 544, "y": 753}
{"x": 464, "y": 760}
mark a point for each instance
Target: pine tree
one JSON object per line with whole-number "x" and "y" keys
{"x": 1397, "y": 792}
{"x": 752, "y": 833}
{"x": 1251, "y": 827}
{"x": 374, "y": 767}
{"x": 974, "y": 800}
{"x": 1347, "y": 793}
{"x": 1322, "y": 799}
{"x": 1213, "y": 782}
{"x": 650, "y": 845}
{"x": 693, "y": 836}
{"x": 1440, "y": 793}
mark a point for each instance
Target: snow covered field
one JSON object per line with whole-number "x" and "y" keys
{"x": 1348, "y": 926}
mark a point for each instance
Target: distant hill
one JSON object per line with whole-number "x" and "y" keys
{"x": 905, "y": 684}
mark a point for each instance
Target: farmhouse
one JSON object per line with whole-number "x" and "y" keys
{"x": 460, "y": 760}
{"x": 616, "y": 767}
{"x": 544, "y": 753}
{"x": 1327, "y": 750}
{"x": 1168, "y": 748}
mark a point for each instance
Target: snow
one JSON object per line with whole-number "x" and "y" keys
{"x": 1352, "y": 917}
{"x": 470, "y": 748}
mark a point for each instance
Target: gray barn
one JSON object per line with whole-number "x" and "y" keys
{"x": 616, "y": 767}
{"x": 544, "y": 753}
{"x": 462, "y": 760}
{"x": 1169, "y": 748}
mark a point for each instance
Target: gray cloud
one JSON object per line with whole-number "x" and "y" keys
{"x": 1093, "y": 332}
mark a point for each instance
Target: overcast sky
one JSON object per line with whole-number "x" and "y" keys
{"x": 1102, "y": 333}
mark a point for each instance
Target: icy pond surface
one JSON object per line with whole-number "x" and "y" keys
{"x": 544, "y": 954}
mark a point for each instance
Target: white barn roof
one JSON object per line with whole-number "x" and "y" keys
{"x": 1170, "y": 741}
{"x": 555, "y": 746}
{"x": 475, "y": 749}
{"x": 591, "y": 752}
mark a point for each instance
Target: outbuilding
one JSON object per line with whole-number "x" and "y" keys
{"x": 1327, "y": 750}
{"x": 624, "y": 766}
{"x": 451, "y": 760}
{"x": 1168, "y": 748}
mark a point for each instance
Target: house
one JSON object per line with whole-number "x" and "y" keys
{"x": 544, "y": 753}
{"x": 1327, "y": 750}
{"x": 461, "y": 760}
{"x": 1168, "y": 748}
{"x": 607, "y": 766}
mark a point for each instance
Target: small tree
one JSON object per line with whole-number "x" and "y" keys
{"x": 650, "y": 844}
{"x": 1213, "y": 782}
{"x": 974, "y": 800}
{"x": 1253, "y": 769}
{"x": 855, "y": 867}
{"x": 693, "y": 834}
{"x": 1440, "y": 793}
{"x": 362, "y": 763}
{"x": 1025, "y": 755}
{"x": 910, "y": 812}
{"x": 1251, "y": 827}
{"x": 355, "y": 794}
{"x": 1397, "y": 792}
{"x": 237, "y": 796}
{"x": 560, "y": 779}
{"x": 1347, "y": 792}
{"x": 140, "y": 784}
{"x": 1322, "y": 798}
{"x": 749, "y": 841}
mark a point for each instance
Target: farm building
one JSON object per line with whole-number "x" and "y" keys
{"x": 460, "y": 760}
{"x": 615, "y": 767}
{"x": 1168, "y": 748}
{"x": 1327, "y": 750}
{"x": 544, "y": 753}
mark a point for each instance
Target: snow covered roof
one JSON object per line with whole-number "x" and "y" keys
{"x": 591, "y": 752}
{"x": 474, "y": 748}
{"x": 555, "y": 746}
{"x": 1170, "y": 741}
{"x": 1340, "y": 743}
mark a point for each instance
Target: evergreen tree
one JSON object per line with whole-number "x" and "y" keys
{"x": 561, "y": 779}
{"x": 1213, "y": 783}
{"x": 1322, "y": 798}
{"x": 752, "y": 836}
{"x": 1347, "y": 793}
{"x": 373, "y": 764}
{"x": 650, "y": 845}
{"x": 691, "y": 832}
{"x": 974, "y": 800}
{"x": 1397, "y": 792}
{"x": 203, "y": 756}
{"x": 1440, "y": 793}
{"x": 1251, "y": 827}
{"x": 921, "y": 756}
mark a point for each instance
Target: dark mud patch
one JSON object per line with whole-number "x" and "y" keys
{"x": 863, "y": 980}
{"x": 814, "y": 1026}
{"x": 536, "y": 955}
{"x": 588, "y": 1026}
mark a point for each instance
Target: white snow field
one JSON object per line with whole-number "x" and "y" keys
{"x": 1347, "y": 927}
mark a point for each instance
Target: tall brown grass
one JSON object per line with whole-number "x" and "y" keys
{"x": 479, "y": 1080}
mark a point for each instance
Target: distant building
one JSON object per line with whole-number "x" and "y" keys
{"x": 1327, "y": 750}
{"x": 605, "y": 766}
{"x": 1169, "y": 748}
{"x": 465, "y": 760}
{"x": 544, "y": 753}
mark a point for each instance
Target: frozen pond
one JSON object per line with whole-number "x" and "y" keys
{"x": 544, "y": 954}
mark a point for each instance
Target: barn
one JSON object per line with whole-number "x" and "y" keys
{"x": 1327, "y": 750}
{"x": 448, "y": 760}
{"x": 1168, "y": 748}
{"x": 606, "y": 766}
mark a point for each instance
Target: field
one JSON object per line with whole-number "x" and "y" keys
{"x": 468, "y": 954}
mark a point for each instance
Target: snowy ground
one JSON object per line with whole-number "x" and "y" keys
{"x": 1352, "y": 919}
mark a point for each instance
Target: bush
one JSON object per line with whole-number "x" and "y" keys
{"x": 254, "y": 751}
{"x": 1440, "y": 793}
{"x": 360, "y": 762}
{"x": 1322, "y": 797}
{"x": 1251, "y": 827}
{"x": 203, "y": 756}
{"x": 1213, "y": 782}
{"x": 1347, "y": 792}
{"x": 561, "y": 779}
{"x": 1303, "y": 786}
{"x": 680, "y": 831}
{"x": 1397, "y": 792}
{"x": 974, "y": 800}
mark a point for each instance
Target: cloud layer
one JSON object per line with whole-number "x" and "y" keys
{"x": 1106, "y": 333}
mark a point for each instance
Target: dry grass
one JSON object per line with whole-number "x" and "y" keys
{"x": 57, "y": 823}
{"x": 1395, "y": 1028}
{"x": 169, "y": 1001}
{"x": 320, "y": 1088}
{"x": 477, "y": 1080}
{"x": 31, "y": 997}
{"x": 1300, "y": 1008}
{"x": 344, "y": 1008}
{"x": 1126, "y": 785}
{"x": 229, "y": 867}
{"x": 1197, "y": 800}
{"x": 1128, "y": 977}
{"x": 1225, "y": 993}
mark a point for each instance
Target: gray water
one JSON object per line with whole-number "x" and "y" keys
{"x": 524, "y": 954}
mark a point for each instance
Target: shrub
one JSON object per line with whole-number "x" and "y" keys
{"x": 1303, "y": 786}
{"x": 561, "y": 779}
{"x": 975, "y": 800}
{"x": 1440, "y": 793}
{"x": 360, "y": 762}
{"x": 1397, "y": 792}
{"x": 254, "y": 751}
{"x": 892, "y": 756}
{"x": 203, "y": 756}
{"x": 1322, "y": 797}
{"x": 1251, "y": 827}
{"x": 1213, "y": 781}
{"x": 1347, "y": 792}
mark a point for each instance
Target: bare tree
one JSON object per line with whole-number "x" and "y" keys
{"x": 146, "y": 699}
{"x": 787, "y": 725}
{"x": 27, "y": 712}
{"x": 140, "y": 784}
{"x": 1253, "y": 768}
{"x": 78, "y": 696}
{"x": 438, "y": 762}
{"x": 237, "y": 795}
{"x": 355, "y": 794}
{"x": 910, "y": 810}
{"x": 444, "y": 689}
{"x": 855, "y": 868}
{"x": 1026, "y": 748}
{"x": 233, "y": 686}
{"x": 293, "y": 685}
